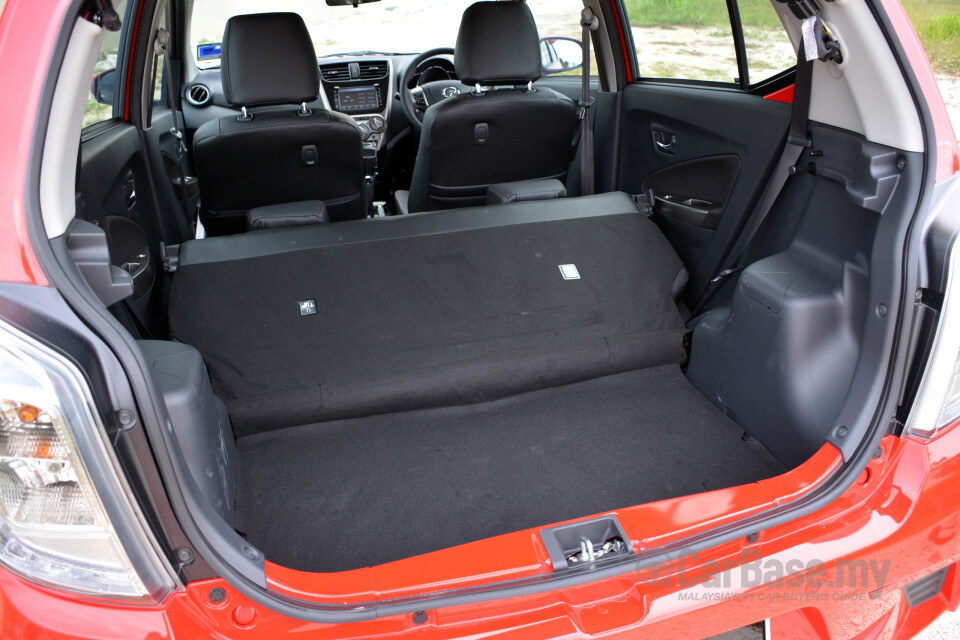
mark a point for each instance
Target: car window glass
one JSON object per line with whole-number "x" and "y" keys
{"x": 389, "y": 26}
{"x": 769, "y": 51}
{"x": 684, "y": 39}
{"x": 102, "y": 97}
{"x": 159, "y": 69}
{"x": 558, "y": 22}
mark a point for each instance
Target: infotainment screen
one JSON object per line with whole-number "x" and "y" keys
{"x": 358, "y": 99}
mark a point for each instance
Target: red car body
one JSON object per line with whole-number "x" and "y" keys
{"x": 904, "y": 509}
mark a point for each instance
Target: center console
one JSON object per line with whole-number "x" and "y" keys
{"x": 360, "y": 88}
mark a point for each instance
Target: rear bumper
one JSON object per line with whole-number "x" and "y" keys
{"x": 837, "y": 573}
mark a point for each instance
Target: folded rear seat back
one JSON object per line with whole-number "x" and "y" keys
{"x": 320, "y": 323}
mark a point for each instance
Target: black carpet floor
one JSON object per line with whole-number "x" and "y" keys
{"x": 352, "y": 493}
{"x": 426, "y": 321}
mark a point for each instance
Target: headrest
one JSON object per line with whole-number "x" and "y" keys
{"x": 268, "y": 58}
{"x": 498, "y": 43}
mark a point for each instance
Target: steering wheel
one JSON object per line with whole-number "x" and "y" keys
{"x": 415, "y": 101}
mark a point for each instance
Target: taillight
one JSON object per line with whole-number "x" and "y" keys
{"x": 54, "y": 526}
{"x": 938, "y": 402}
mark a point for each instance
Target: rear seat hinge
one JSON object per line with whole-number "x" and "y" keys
{"x": 170, "y": 257}
{"x": 644, "y": 202}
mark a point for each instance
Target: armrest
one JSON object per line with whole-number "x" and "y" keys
{"x": 525, "y": 190}
{"x": 291, "y": 214}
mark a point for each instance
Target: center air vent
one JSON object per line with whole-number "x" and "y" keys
{"x": 335, "y": 72}
{"x": 199, "y": 95}
{"x": 373, "y": 70}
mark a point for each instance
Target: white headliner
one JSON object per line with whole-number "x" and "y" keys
{"x": 59, "y": 163}
{"x": 867, "y": 94}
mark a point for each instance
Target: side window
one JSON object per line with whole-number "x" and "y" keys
{"x": 684, "y": 39}
{"x": 769, "y": 51}
{"x": 159, "y": 92}
{"x": 558, "y": 22}
{"x": 103, "y": 85}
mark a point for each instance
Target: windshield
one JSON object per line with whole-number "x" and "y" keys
{"x": 389, "y": 26}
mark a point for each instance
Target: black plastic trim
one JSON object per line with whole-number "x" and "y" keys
{"x": 774, "y": 83}
{"x": 703, "y": 84}
{"x": 736, "y": 24}
{"x": 95, "y": 129}
{"x": 925, "y": 588}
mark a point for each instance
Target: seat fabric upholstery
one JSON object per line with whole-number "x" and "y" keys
{"x": 529, "y": 132}
{"x": 269, "y": 60}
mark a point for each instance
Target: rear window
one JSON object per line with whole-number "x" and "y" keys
{"x": 693, "y": 40}
{"x": 390, "y": 26}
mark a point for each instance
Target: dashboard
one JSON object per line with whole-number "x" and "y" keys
{"x": 362, "y": 87}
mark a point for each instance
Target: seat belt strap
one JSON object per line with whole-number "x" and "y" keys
{"x": 590, "y": 23}
{"x": 797, "y": 140}
{"x": 185, "y": 223}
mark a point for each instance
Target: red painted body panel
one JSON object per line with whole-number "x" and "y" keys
{"x": 24, "y": 27}
{"x": 905, "y": 513}
{"x": 623, "y": 40}
{"x": 948, "y": 153}
{"x": 904, "y": 510}
{"x": 781, "y": 95}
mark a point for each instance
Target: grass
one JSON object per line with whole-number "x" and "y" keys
{"x": 938, "y": 25}
{"x": 937, "y": 21}
{"x": 698, "y": 13}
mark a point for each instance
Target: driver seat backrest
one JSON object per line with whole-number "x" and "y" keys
{"x": 284, "y": 154}
{"x": 492, "y": 135}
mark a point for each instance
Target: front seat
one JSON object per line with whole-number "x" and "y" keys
{"x": 281, "y": 155}
{"x": 516, "y": 131}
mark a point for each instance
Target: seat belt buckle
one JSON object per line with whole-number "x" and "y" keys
{"x": 726, "y": 273}
{"x": 583, "y": 106}
{"x": 589, "y": 20}
{"x": 181, "y": 145}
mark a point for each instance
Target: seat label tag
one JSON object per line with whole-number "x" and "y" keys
{"x": 308, "y": 307}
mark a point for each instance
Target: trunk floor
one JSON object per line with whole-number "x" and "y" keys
{"x": 353, "y": 493}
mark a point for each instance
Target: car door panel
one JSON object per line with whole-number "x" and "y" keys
{"x": 710, "y": 150}
{"x": 117, "y": 195}
{"x": 694, "y": 193}
{"x": 162, "y": 144}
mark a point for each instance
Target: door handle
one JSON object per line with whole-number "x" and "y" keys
{"x": 696, "y": 212}
{"x": 665, "y": 141}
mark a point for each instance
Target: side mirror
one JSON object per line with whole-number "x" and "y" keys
{"x": 104, "y": 86}
{"x": 560, "y": 54}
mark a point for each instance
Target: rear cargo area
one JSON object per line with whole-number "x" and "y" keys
{"x": 404, "y": 385}
{"x": 353, "y": 493}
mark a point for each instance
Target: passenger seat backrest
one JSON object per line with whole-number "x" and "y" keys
{"x": 518, "y": 131}
{"x": 286, "y": 154}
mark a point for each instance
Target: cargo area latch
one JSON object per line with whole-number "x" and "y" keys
{"x": 589, "y": 553}
{"x": 584, "y": 544}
